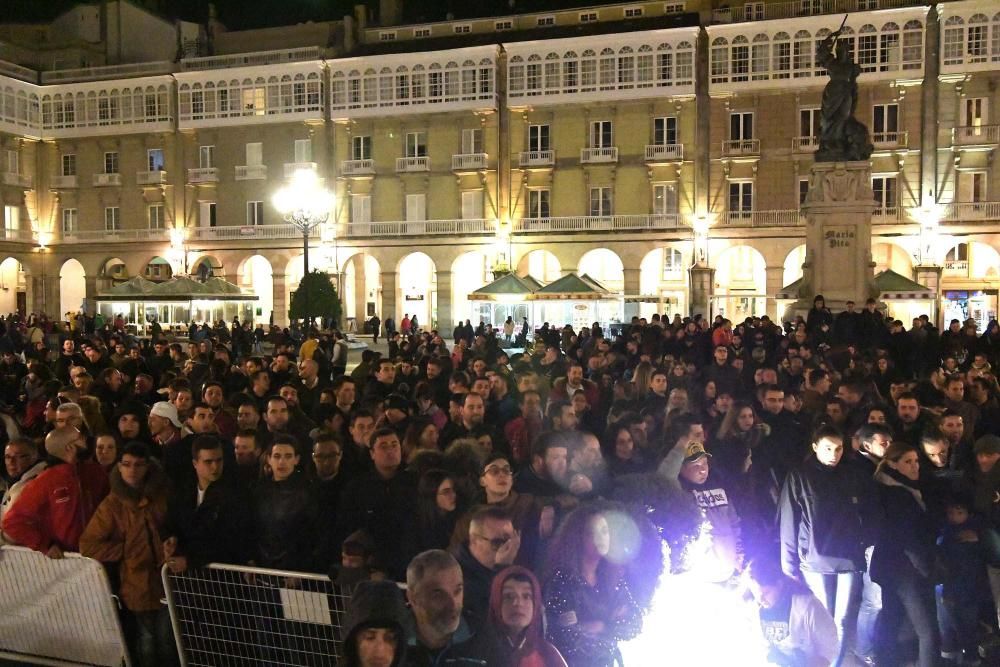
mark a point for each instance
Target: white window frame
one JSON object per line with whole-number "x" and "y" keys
{"x": 634, "y": 12}
{"x": 416, "y": 207}
{"x": 152, "y": 164}
{"x": 743, "y": 188}
{"x": 545, "y": 21}
{"x": 665, "y": 131}
{"x": 12, "y": 217}
{"x": 665, "y": 200}
{"x": 803, "y": 190}
{"x": 673, "y": 264}
{"x": 472, "y": 205}
{"x": 206, "y": 157}
{"x": 112, "y": 219}
{"x": 254, "y": 152}
{"x": 303, "y": 150}
{"x": 472, "y": 140}
{"x": 602, "y": 134}
{"x": 111, "y": 164}
{"x": 809, "y": 118}
{"x": 255, "y": 213}
{"x": 361, "y": 208}
{"x": 887, "y": 116}
{"x": 886, "y": 189}
{"x": 208, "y": 214}
{"x": 601, "y": 202}
{"x": 13, "y": 162}
{"x": 588, "y": 17}
{"x": 416, "y": 144}
{"x": 973, "y": 186}
{"x": 70, "y": 220}
{"x": 539, "y": 203}
{"x": 975, "y": 110}
{"x": 741, "y": 125}
{"x": 539, "y": 137}
{"x": 68, "y": 164}
{"x": 361, "y": 147}
{"x": 156, "y": 216}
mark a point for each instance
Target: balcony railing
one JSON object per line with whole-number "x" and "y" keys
{"x": 780, "y": 218}
{"x": 404, "y": 164}
{"x": 108, "y": 72}
{"x": 976, "y": 135}
{"x": 251, "y": 59}
{"x": 599, "y": 155}
{"x": 469, "y": 161}
{"x": 887, "y": 215}
{"x": 151, "y": 177}
{"x": 105, "y": 180}
{"x": 602, "y": 223}
{"x": 741, "y": 147}
{"x": 420, "y": 228}
{"x": 251, "y": 172}
{"x": 664, "y": 152}
{"x": 121, "y": 235}
{"x": 25, "y": 235}
{"x": 536, "y": 158}
{"x": 18, "y": 72}
{"x": 973, "y": 211}
{"x": 805, "y": 144}
{"x": 760, "y": 11}
{"x": 889, "y": 139}
{"x": 228, "y": 233}
{"x": 357, "y": 167}
{"x": 64, "y": 182}
{"x": 292, "y": 167}
{"x": 17, "y": 180}
{"x": 203, "y": 175}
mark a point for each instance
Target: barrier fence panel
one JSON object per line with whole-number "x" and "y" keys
{"x": 58, "y": 611}
{"x": 228, "y": 615}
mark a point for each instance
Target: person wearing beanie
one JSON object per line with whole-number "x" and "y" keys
{"x": 52, "y": 511}
{"x": 376, "y": 626}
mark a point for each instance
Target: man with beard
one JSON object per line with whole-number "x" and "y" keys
{"x": 435, "y": 591}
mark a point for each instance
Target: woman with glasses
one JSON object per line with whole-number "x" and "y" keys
{"x": 437, "y": 512}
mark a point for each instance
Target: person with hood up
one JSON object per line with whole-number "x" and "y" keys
{"x": 513, "y": 635}
{"x": 376, "y": 626}
{"x": 126, "y": 529}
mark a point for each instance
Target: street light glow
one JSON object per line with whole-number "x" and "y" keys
{"x": 304, "y": 202}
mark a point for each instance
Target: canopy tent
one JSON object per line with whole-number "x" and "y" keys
{"x": 895, "y": 287}
{"x": 579, "y": 300}
{"x": 507, "y": 296}
{"x": 573, "y": 287}
{"x": 179, "y": 300}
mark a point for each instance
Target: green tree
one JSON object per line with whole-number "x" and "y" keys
{"x": 316, "y": 297}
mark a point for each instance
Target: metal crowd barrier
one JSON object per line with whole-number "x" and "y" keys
{"x": 230, "y": 615}
{"x": 58, "y": 612}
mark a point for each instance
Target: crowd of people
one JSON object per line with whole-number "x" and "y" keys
{"x": 841, "y": 470}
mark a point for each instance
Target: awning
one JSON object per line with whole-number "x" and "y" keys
{"x": 505, "y": 288}
{"x": 132, "y": 288}
{"x": 892, "y": 286}
{"x": 789, "y": 291}
{"x": 573, "y": 287}
{"x": 178, "y": 288}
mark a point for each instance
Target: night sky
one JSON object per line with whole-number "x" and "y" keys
{"x": 243, "y": 14}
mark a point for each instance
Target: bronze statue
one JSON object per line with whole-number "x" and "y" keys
{"x": 842, "y": 137}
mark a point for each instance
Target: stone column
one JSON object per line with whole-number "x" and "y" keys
{"x": 279, "y": 300}
{"x": 775, "y": 276}
{"x": 838, "y": 210}
{"x": 389, "y": 298}
{"x": 631, "y": 288}
{"x": 444, "y": 317}
{"x": 90, "y": 291}
{"x": 702, "y": 282}
{"x": 929, "y": 118}
{"x": 930, "y": 277}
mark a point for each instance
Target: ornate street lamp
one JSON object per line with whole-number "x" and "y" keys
{"x": 306, "y": 204}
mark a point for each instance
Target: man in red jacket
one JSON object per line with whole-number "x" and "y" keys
{"x": 54, "y": 509}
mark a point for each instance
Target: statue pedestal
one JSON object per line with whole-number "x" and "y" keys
{"x": 838, "y": 212}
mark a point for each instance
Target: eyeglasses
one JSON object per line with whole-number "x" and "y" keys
{"x": 499, "y": 470}
{"x": 496, "y": 543}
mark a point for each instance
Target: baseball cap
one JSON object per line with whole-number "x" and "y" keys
{"x": 694, "y": 451}
{"x": 167, "y": 411}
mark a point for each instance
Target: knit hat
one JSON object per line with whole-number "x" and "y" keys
{"x": 167, "y": 411}
{"x": 987, "y": 444}
{"x": 398, "y": 402}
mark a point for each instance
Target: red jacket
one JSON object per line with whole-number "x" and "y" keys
{"x": 56, "y": 507}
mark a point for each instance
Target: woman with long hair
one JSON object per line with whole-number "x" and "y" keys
{"x": 437, "y": 512}
{"x": 620, "y": 451}
{"x": 902, "y": 562}
{"x": 587, "y": 598}
{"x": 421, "y": 434}
{"x": 640, "y": 381}
{"x": 740, "y": 432}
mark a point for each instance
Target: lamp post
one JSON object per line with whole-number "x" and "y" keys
{"x": 306, "y": 204}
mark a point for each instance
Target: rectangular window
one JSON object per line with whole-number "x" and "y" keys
{"x": 538, "y": 138}
{"x": 472, "y": 141}
{"x": 361, "y": 208}
{"x": 155, "y": 215}
{"x": 13, "y": 162}
{"x": 538, "y": 203}
{"x": 809, "y": 122}
{"x": 112, "y": 219}
{"x": 303, "y": 150}
{"x": 111, "y": 162}
{"x": 503, "y": 25}
{"x": 633, "y": 12}
{"x": 206, "y": 157}
{"x": 885, "y": 191}
{"x": 600, "y": 201}
{"x": 361, "y": 148}
{"x": 741, "y": 126}
{"x": 472, "y": 205}
{"x": 974, "y": 111}
{"x": 803, "y": 190}
{"x": 588, "y": 17}
{"x": 463, "y": 29}
{"x": 673, "y": 264}
{"x": 885, "y": 120}
{"x": 416, "y": 207}
{"x": 255, "y": 213}
{"x": 740, "y": 197}
{"x": 69, "y": 164}
{"x": 416, "y": 144}
{"x": 741, "y": 62}
{"x": 665, "y": 131}
{"x": 387, "y": 36}
{"x": 154, "y": 159}
{"x": 868, "y": 52}
{"x": 255, "y": 154}
{"x": 70, "y": 220}
{"x": 664, "y": 199}
{"x": 207, "y": 214}
{"x": 12, "y": 217}
{"x": 545, "y": 21}
{"x": 972, "y": 186}
{"x": 601, "y": 134}
{"x": 419, "y": 33}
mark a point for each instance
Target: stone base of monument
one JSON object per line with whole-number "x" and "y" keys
{"x": 838, "y": 211}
